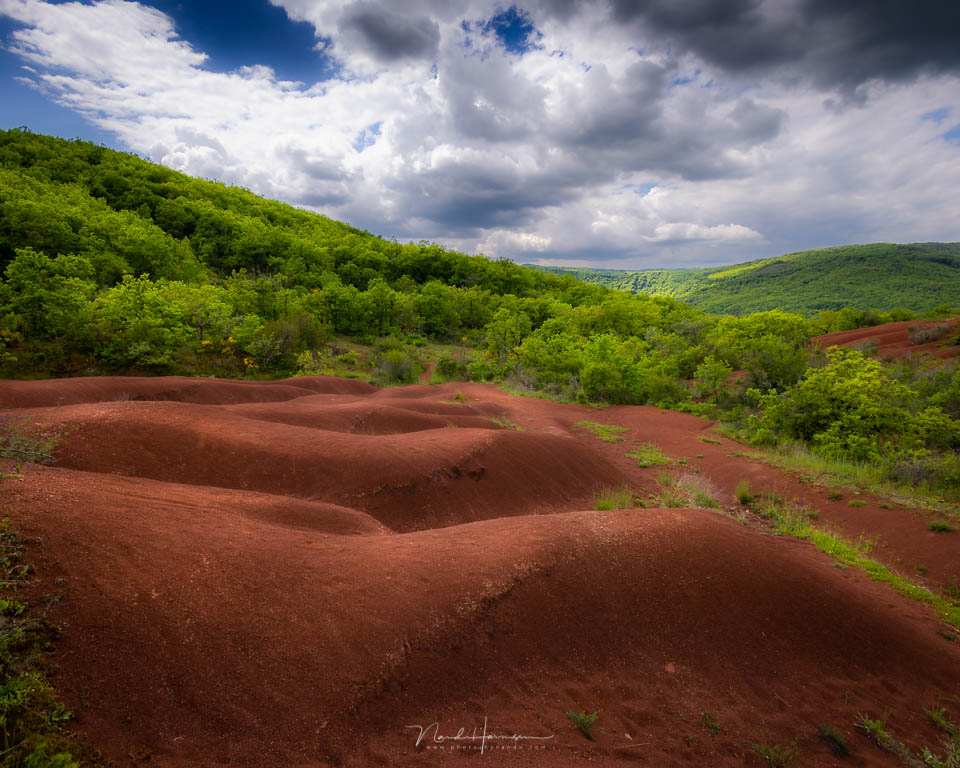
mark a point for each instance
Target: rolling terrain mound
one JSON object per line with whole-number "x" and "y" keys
{"x": 897, "y": 339}
{"x": 368, "y": 417}
{"x": 263, "y": 584}
{"x": 100, "y": 389}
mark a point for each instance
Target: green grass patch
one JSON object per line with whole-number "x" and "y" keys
{"x": 845, "y": 473}
{"x": 939, "y": 526}
{"x": 504, "y": 421}
{"x": 614, "y": 498}
{"x": 648, "y": 455}
{"x": 712, "y": 440}
{"x": 857, "y": 503}
{"x": 609, "y": 433}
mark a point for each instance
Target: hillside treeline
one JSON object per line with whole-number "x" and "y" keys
{"x": 901, "y": 279}
{"x": 112, "y": 264}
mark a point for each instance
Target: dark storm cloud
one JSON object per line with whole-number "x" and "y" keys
{"x": 838, "y": 44}
{"x": 389, "y": 36}
{"x": 469, "y": 196}
{"x": 887, "y": 40}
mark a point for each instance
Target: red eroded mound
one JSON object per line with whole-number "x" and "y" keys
{"x": 98, "y": 389}
{"x": 202, "y": 635}
{"x": 898, "y": 339}
{"x": 322, "y": 578}
{"x": 407, "y": 481}
{"x": 362, "y": 416}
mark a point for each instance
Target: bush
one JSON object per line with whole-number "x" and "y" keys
{"x": 395, "y": 363}
{"x": 481, "y": 370}
{"x": 924, "y": 334}
{"x": 851, "y": 408}
{"x": 451, "y": 368}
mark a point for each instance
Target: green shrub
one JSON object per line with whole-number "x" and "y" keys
{"x": 851, "y": 408}
{"x": 742, "y": 492}
{"x": 395, "y": 363}
{"x": 450, "y": 368}
{"x": 939, "y": 526}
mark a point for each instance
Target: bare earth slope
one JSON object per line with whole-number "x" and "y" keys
{"x": 894, "y": 339}
{"x": 308, "y": 573}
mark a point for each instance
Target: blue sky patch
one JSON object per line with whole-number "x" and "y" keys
{"x": 23, "y": 105}
{"x": 515, "y": 30}
{"x": 367, "y": 137}
{"x": 238, "y": 33}
{"x": 937, "y": 116}
{"x": 953, "y": 135}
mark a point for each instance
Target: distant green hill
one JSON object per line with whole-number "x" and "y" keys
{"x": 885, "y": 276}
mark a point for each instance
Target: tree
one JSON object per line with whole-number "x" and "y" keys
{"x": 505, "y": 332}
{"x": 380, "y": 301}
{"x": 49, "y": 296}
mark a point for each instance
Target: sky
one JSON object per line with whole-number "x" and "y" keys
{"x": 609, "y": 133}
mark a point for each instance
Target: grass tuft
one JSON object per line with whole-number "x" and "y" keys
{"x": 609, "y": 433}
{"x": 708, "y": 721}
{"x": 834, "y": 740}
{"x": 699, "y": 491}
{"x": 776, "y": 755}
{"x": 583, "y": 722}
{"x": 614, "y": 498}
{"x": 939, "y": 526}
{"x": 648, "y": 455}
{"x": 742, "y": 492}
{"x": 503, "y": 420}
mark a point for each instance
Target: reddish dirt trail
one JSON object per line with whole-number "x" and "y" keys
{"x": 297, "y": 581}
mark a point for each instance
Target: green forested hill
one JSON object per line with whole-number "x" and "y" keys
{"x": 885, "y": 276}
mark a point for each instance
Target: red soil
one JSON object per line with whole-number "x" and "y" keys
{"x": 296, "y": 580}
{"x": 893, "y": 339}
